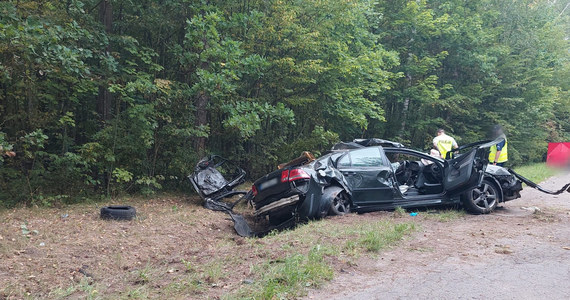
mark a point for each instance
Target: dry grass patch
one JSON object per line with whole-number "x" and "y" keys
{"x": 175, "y": 249}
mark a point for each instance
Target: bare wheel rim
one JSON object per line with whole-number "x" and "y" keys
{"x": 484, "y": 196}
{"x": 341, "y": 203}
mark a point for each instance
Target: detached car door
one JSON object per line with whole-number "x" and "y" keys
{"x": 369, "y": 176}
{"x": 465, "y": 172}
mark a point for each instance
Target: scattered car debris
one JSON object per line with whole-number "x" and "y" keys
{"x": 566, "y": 187}
{"x": 209, "y": 182}
{"x": 532, "y": 209}
{"x": 503, "y": 249}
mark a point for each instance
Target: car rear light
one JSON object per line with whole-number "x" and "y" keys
{"x": 297, "y": 174}
{"x": 294, "y": 174}
{"x": 284, "y": 175}
{"x": 254, "y": 190}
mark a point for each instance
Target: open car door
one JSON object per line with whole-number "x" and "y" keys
{"x": 466, "y": 171}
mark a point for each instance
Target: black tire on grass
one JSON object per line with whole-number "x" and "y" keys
{"x": 118, "y": 212}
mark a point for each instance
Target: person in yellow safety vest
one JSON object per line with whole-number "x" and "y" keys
{"x": 444, "y": 143}
{"x": 499, "y": 152}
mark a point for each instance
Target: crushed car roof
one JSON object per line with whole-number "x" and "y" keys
{"x": 362, "y": 143}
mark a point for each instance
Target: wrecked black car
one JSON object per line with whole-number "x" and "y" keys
{"x": 370, "y": 175}
{"x": 367, "y": 175}
{"x": 374, "y": 174}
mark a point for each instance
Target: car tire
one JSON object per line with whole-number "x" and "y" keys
{"x": 483, "y": 199}
{"x": 340, "y": 204}
{"x": 118, "y": 212}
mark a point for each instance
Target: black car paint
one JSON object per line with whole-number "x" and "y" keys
{"x": 307, "y": 207}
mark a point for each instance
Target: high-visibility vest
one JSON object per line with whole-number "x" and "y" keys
{"x": 444, "y": 145}
{"x": 503, "y": 157}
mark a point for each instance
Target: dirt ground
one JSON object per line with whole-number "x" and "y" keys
{"x": 518, "y": 252}
{"x": 72, "y": 253}
{"x": 176, "y": 249}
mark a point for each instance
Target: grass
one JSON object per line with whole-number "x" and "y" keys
{"x": 288, "y": 275}
{"x": 178, "y": 249}
{"x": 399, "y": 212}
{"x": 375, "y": 240}
{"x": 537, "y": 172}
{"x": 213, "y": 271}
{"x": 446, "y": 215}
{"x": 441, "y": 215}
{"x": 143, "y": 276}
{"x": 138, "y": 293}
{"x": 186, "y": 286}
{"x": 85, "y": 286}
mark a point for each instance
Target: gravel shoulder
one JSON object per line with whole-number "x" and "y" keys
{"x": 518, "y": 252}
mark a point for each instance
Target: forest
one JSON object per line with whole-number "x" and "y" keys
{"x": 101, "y": 98}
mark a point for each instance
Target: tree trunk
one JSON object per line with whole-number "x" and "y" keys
{"x": 201, "y": 118}
{"x": 105, "y": 98}
{"x": 406, "y": 107}
{"x": 407, "y": 100}
{"x": 106, "y": 15}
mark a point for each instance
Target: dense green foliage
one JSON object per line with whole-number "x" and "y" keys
{"x": 100, "y": 97}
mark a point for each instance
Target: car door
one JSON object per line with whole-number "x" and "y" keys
{"x": 369, "y": 176}
{"x": 464, "y": 172}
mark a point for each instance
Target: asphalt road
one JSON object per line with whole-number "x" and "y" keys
{"x": 514, "y": 253}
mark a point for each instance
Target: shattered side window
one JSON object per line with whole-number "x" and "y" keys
{"x": 368, "y": 157}
{"x": 344, "y": 161}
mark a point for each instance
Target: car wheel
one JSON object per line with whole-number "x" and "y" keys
{"x": 483, "y": 199}
{"x": 340, "y": 204}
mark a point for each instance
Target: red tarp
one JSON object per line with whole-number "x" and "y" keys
{"x": 558, "y": 154}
